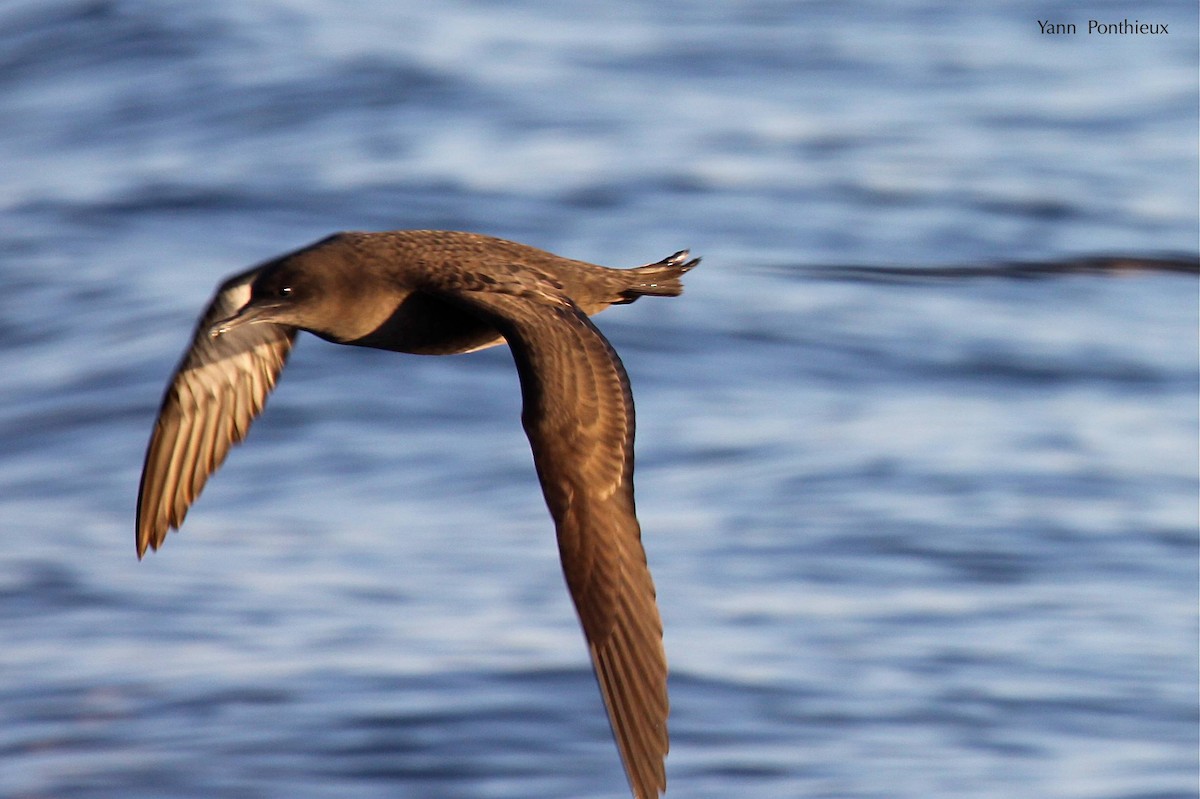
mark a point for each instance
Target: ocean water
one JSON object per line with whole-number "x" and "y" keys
{"x": 924, "y": 527}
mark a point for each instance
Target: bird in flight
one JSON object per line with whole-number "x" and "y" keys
{"x": 440, "y": 293}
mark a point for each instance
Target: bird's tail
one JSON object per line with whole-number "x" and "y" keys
{"x": 661, "y": 279}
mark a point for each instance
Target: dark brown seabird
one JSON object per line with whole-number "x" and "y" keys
{"x": 439, "y": 293}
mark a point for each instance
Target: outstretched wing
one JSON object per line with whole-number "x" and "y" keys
{"x": 217, "y": 390}
{"x": 578, "y": 414}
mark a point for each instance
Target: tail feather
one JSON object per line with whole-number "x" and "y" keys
{"x": 660, "y": 279}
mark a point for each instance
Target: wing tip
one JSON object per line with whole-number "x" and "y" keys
{"x": 147, "y": 540}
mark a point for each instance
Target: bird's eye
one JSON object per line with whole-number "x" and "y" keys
{"x": 285, "y": 291}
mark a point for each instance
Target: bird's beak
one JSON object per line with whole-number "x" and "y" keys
{"x": 250, "y": 314}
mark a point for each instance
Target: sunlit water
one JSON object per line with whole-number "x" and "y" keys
{"x": 913, "y": 537}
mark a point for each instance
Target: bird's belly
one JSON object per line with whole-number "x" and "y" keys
{"x": 426, "y": 325}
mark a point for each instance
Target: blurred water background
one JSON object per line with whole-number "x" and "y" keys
{"x": 923, "y": 531}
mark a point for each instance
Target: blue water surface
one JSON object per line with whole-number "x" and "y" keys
{"x": 916, "y": 534}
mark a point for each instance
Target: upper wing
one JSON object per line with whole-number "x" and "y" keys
{"x": 216, "y": 392}
{"x": 578, "y": 414}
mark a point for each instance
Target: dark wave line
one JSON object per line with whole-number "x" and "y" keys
{"x": 1108, "y": 265}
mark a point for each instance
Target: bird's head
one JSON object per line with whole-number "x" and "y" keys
{"x": 320, "y": 288}
{"x": 285, "y": 292}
